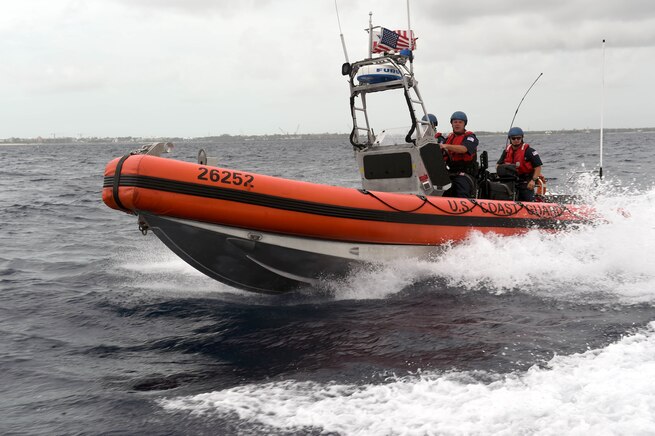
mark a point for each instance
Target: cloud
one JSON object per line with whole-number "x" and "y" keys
{"x": 226, "y": 9}
{"x": 255, "y": 65}
{"x": 563, "y": 12}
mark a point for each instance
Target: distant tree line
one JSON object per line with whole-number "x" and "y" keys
{"x": 306, "y": 136}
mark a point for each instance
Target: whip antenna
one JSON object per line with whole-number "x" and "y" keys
{"x": 343, "y": 42}
{"x": 409, "y": 25}
{"x": 602, "y": 110}
{"x": 517, "y": 107}
{"x": 411, "y": 41}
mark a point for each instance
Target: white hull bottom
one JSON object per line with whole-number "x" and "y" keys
{"x": 267, "y": 262}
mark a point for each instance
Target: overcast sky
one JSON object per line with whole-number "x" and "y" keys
{"x": 208, "y": 67}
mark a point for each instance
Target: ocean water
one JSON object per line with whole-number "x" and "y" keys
{"x": 104, "y": 331}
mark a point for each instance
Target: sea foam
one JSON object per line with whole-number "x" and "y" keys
{"x": 611, "y": 259}
{"x": 603, "y": 391}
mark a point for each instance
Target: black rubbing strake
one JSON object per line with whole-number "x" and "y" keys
{"x": 294, "y": 205}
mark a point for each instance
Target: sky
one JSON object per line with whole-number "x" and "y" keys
{"x": 189, "y": 68}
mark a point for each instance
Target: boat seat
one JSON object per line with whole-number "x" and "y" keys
{"x": 500, "y": 185}
{"x": 499, "y": 191}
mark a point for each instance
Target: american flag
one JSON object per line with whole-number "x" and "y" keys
{"x": 393, "y": 40}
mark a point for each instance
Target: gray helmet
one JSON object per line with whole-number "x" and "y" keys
{"x": 431, "y": 118}
{"x": 459, "y": 115}
{"x": 515, "y": 131}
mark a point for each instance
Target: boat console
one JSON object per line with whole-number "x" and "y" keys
{"x": 412, "y": 163}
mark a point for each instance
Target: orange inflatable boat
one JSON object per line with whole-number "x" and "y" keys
{"x": 270, "y": 234}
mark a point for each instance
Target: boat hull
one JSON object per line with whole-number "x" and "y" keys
{"x": 268, "y": 234}
{"x": 264, "y": 262}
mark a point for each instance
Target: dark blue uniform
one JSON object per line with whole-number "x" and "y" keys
{"x": 531, "y": 156}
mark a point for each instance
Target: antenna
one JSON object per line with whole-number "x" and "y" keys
{"x": 343, "y": 42}
{"x": 602, "y": 109}
{"x": 517, "y": 107}
{"x": 411, "y": 41}
{"x": 370, "y": 34}
{"x": 409, "y": 25}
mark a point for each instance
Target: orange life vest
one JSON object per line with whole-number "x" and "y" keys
{"x": 457, "y": 162}
{"x": 517, "y": 157}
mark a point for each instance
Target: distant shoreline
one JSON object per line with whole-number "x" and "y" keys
{"x": 312, "y": 136}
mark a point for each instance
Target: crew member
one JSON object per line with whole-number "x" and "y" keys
{"x": 434, "y": 123}
{"x": 527, "y": 161}
{"x": 460, "y": 153}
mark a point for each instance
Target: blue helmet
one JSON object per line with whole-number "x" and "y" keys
{"x": 431, "y": 118}
{"x": 459, "y": 115}
{"x": 515, "y": 131}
